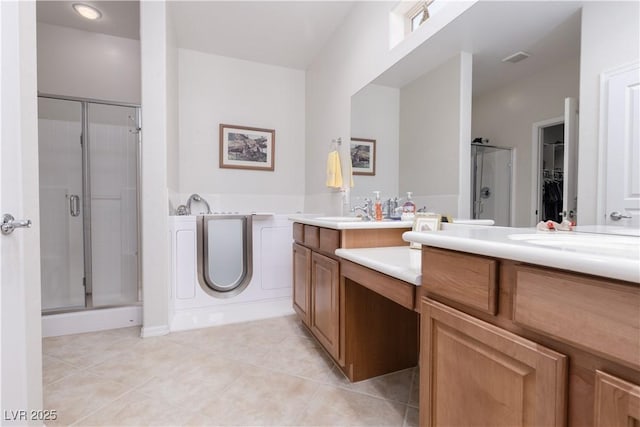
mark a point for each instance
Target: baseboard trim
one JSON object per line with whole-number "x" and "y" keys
{"x": 154, "y": 331}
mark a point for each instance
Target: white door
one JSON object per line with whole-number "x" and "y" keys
{"x": 20, "y": 324}
{"x": 621, "y": 131}
{"x": 570, "y": 169}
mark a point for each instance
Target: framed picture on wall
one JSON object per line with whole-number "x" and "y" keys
{"x": 363, "y": 156}
{"x": 243, "y": 147}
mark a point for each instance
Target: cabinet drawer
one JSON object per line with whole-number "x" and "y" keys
{"x": 298, "y": 232}
{"x": 468, "y": 279}
{"x": 311, "y": 236}
{"x": 329, "y": 240}
{"x": 598, "y": 316}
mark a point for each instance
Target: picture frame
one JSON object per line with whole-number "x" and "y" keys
{"x": 244, "y": 147}
{"x": 425, "y": 222}
{"x": 363, "y": 156}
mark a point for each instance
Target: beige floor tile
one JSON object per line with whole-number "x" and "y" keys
{"x": 145, "y": 359}
{"x": 269, "y": 372}
{"x": 261, "y": 398}
{"x": 136, "y": 409}
{"x": 77, "y": 395}
{"x": 290, "y": 324}
{"x": 412, "y": 417}
{"x": 414, "y": 396}
{"x": 130, "y": 332}
{"x": 132, "y": 370}
{"x": 84, "y": 350}
{"x": 394, "y": 386}
{"x": 54, "y": 369}
{"x": 301, "y": 356}
{"x": 245, "y": 342}
{"x": 200, "y": 376}
{"x": 192, "y": 338}
{"x": 339, "y": 407}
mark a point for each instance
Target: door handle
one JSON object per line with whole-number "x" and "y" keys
{"x": 617, "y": 216}
{"x": 9, "y": 223}
{"x": 74, "y": 205}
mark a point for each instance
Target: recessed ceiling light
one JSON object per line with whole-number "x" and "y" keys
{"x": 87, "y": 11}
{"x": 516, "y": 57}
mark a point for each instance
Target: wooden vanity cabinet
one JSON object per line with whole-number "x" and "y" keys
{"x": 474, "y": 373}
{"x": 325, "y": 313}
{"x": 526, "y": 345}
{"x": 302, "y": 282}
{"x": 617, "y": 402}
{"x": 316, "y": 278}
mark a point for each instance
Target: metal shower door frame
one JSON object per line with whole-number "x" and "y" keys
{"x": 475, "y": 194}
{"x": 85, "y": 142}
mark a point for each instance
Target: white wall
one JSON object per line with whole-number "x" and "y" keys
{"x": 215, "y": 89}
{"x": 506, "y": 116}
{"x": 375, "y": 114}
{"x": 610, "y": 38}
{"x": 354, "y": 56}
{"x": 88, "y": 65}
{"x": 154, "y": 219}
{"x": 430, "y": 125}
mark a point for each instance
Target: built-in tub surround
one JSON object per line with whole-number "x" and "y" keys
{"x": 240, "y": 203}
{"x": 267, "y": 294}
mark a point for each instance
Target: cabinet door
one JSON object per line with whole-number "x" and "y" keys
{"x": 325, "y": 312}
{"x": 617, "y": 402}
{"x": 474, "y": 373}
{"x": 302, "y": 282}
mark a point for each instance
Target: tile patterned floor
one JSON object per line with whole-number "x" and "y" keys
{"x": 269, "y": 372}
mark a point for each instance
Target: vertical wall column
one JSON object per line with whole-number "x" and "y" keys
{"x": 154, "y": 200}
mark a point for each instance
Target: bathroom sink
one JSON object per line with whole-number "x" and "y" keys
{"x": 339, "y": 218}
{"x": 625, "y": 246}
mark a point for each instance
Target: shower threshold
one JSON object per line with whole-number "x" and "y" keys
{"x": 80, "y": 309}
{"x": 78, "y": 321}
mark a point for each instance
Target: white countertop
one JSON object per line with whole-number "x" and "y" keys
{"x": 612, "y": 256}
{"x": 400, "y": 262}
{"x": 347, "y": 223}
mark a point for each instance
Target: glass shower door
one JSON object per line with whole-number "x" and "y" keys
{"x": 61, "y": 231}
{"x": 113, "y": 160}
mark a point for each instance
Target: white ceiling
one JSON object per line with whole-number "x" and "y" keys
{"x": 492, "y": 30}
{"x": 119, "y": 18}
{"x": 291, "y": 33}
{"x": 284, "y": 33}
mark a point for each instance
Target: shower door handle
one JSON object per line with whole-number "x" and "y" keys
{"x": 74, "y": 205}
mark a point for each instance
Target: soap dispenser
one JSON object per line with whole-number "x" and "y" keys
{"x": 378, "y": 206}
{"x": 409, "y": 208}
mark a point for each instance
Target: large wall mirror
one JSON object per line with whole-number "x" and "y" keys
{"x": 497, "y": 149}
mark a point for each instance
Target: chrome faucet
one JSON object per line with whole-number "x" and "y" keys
{"x": 366, "y": 211}
{"x": 197, "y": 198}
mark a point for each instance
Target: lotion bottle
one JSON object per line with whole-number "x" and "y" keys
{"x": 378, "y": 206}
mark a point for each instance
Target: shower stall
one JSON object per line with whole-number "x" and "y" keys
{"x": 88, "y": 164}
{"x": 491, "y": 181}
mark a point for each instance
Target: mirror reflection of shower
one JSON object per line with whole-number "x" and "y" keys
{"x": 491, "y": 181}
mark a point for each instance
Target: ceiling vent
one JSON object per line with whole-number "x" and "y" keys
{"x": 516, "y": 57}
